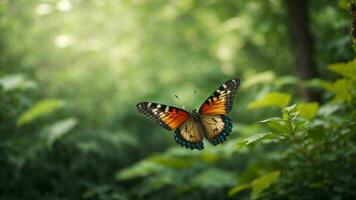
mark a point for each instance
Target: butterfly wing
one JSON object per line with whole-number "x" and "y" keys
{"x": 220, "y": 102}
{"x": 189, "y": 135}
{"x": 168, "y": 117}
{"x": 217, "y": 127}
{"x": 187, "y": 131}
{"x": 216, "y": 124}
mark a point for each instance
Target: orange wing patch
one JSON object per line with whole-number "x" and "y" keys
{"x": 214, "y": 106}
{"x": 167, "y": 117}
{"x": 220, "y": 102}
{"x": 174, "y": 117}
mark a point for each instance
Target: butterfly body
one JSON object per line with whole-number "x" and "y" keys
{"x": 195, "y": 115}
{"x": 209, "y": 122}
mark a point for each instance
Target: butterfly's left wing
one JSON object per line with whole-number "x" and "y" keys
{"x": 190, "y": 135}
{"x": 187, "y": 131}
{"x": 168, "y": 117}
{"x": 220, "y": 102}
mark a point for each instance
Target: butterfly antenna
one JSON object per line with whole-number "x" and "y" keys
{"x": 177, "y": 97}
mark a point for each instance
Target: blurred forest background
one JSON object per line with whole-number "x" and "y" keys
{"x": 72, "y": 71}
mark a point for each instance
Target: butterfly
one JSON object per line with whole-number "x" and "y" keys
{"x": 210, "y": 121}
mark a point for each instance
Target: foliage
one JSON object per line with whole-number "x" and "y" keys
{"x": 258, "y": 185}
{"x": 42, "y": 108}
{"x": 271, "y": 99}
{"x": 71, "y": 73}
{"x": 314, "y": 145}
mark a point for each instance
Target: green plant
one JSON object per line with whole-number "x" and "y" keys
{"x": 318, "y": 144}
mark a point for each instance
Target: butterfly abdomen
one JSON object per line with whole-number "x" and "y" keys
{"x": 222, "y": 136}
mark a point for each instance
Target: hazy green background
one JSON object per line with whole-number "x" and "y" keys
{"x": 72, "y": 72}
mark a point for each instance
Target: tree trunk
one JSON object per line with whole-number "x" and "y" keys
{"x": 303, "y": 45}
{"x": 352, "y": 8}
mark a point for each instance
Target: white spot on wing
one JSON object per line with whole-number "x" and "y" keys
{"x": 154, "y": 111}
{"x": 224, "y": 86}
{"x": 149, "y": 104}
{"x": 167, "y": 109}
{"x": 158, "y": 105}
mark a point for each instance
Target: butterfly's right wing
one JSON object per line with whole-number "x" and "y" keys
{"x": 168, "y": 117}
{"x": 220, "y": 102}
{"x": 213, "y": 112}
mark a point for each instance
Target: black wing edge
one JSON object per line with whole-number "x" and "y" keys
{"x": 147, "y": 109}
{"x": 232, "y": 85}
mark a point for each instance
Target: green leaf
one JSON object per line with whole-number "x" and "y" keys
{"x": 263, "y": 182}
{"x": 308, "y": 110}
{"x": 40, "y": 109}
{"x": 272, "y": 99}
{"x": 255, "y": 138}
{"x": 328, "y": 109}
{"x": 299, "y": 123}
{"x": 172, "y": 161}
{"x": 238, "y": 188}
{"x": 214, "y": 178}
{"x": 59, "y": 129}
{"x": 140, "y": 169}
{"x": 289, "y": 113}
{"x": 289, "y": 109}
{"x": 343, "y": 89}
{"x": 263, "y": 77}
{"x": 285, "y": 80}
{"x": 314, "y": 83}
{"x": 277, "y": 124}
{"x": 16, "y": 81}
{"x": 345, "y": 69}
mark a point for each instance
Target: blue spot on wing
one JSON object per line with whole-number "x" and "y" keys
{"x": 220, "y": 138}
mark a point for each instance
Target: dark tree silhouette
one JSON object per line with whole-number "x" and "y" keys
{"x": 352, "y": 8}
{"x": 303, "y": 45}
